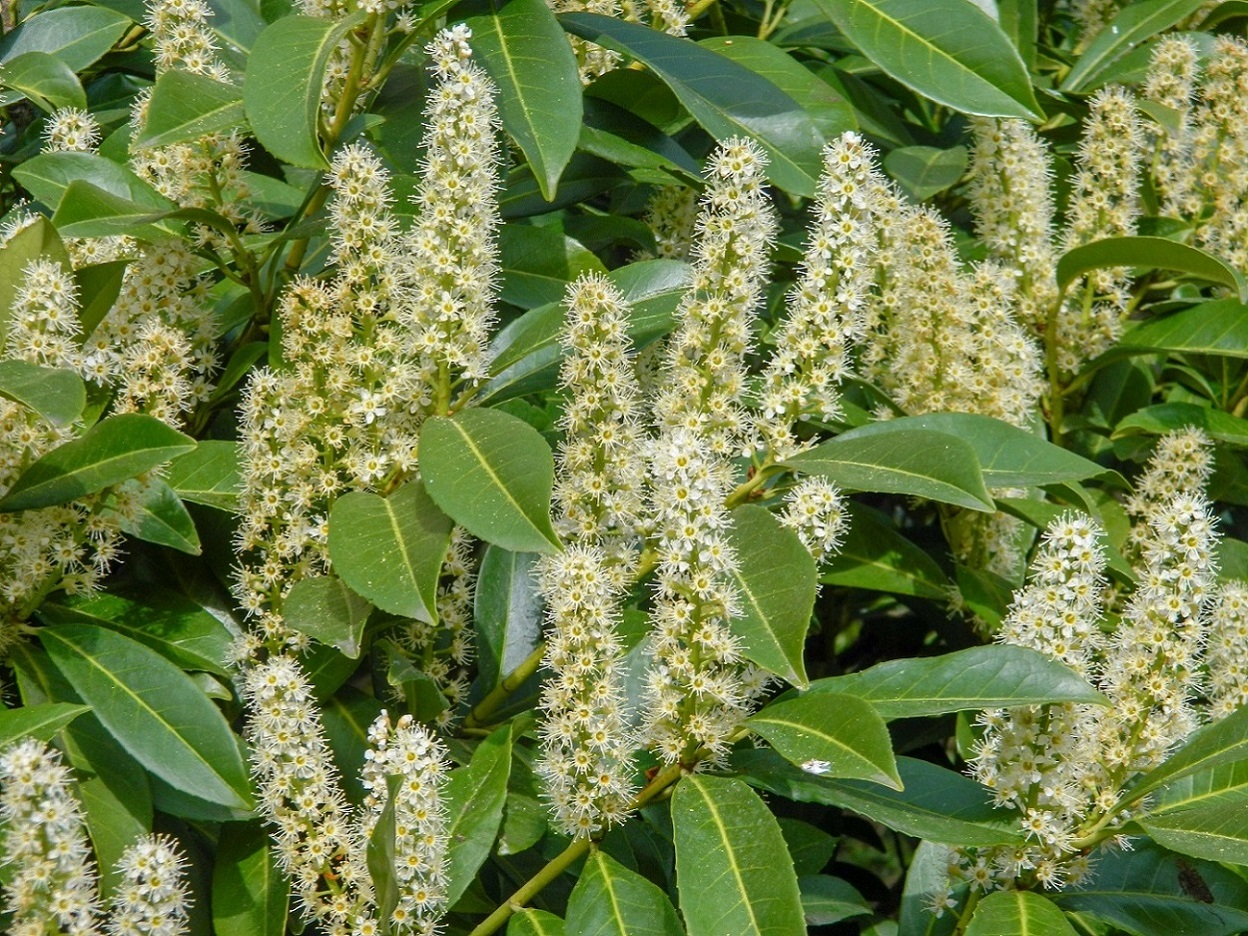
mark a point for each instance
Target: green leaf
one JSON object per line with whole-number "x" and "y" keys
{"x": 111, "y": 451}
{"x": 521, "y": 47}
{"x": 610, "y": 900}
{"x": 924, "y": 171}
{"x": 38, "y": 239}
{"x": 474, "y": 800}
{"x": 283, "y": 82}
{"x": 830, "y": 735}
{"x": 1133, "y": 24}
{"x": 529, "y": 922}
{"x": 1018, "y": 913}
{"x": 733, "y": 872}
{"x": 507, "y": 611}
{"x": 382, "y": 866}
{"x": 996, "y": 676}
{"x": 249, "y": 892}
{"x": 186, "y": 106}
{"x": 947, "y": 50}
{"x": 78, "y": 36}
{"x": 1225, "y": 785}
{"x": 169, "y": 622}
{"x": 827, "y": 900}
{"x": 1217, "y": 832}
{"x": 347, "y": 715}
{"x": 209, "y": 475}
{"x": 937, "y": 804}
{"x": 1219, "y": 327}
{"x": 390, "y": 549}
{"x": 493, "y": 474}
{"x": 873, "y": 555}
{"x": 527, "y": 352}
{"x": 112, "y": 786}
{"x": 1147, "y": 891}
{"x": 47, "y": 81}
{"x": 810, "y": 848}
{"x": 325, "y": 609}
{"x": 159, "y": 517}
{"x": 59, "y": 396}
{"x": 727, "y": 99}
{"x": 832, "y": 114}
{"x": 37, "y": 721}
{"x": 539, "y": 262}
{"x": 1008, "y": 456}
{"x": 1212, "y": 746}
{"x": 777, "y": 581}
{"x": 98, "y": 287}
{"x": 154, "y": 710}
{"x": 1148, "y": 253}
{"x": 49, "y": 175}
{"x": 86, "y": 210}
{"x": 919, "y": 462}
{"x": 1167, "y": 417}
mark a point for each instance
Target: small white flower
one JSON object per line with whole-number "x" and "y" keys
{"x": 817, "y": 767}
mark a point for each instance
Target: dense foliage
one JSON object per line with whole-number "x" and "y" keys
{"x": 624, "y": 468}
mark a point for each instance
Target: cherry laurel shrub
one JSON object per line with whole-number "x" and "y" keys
{"x": 602, "y": 468}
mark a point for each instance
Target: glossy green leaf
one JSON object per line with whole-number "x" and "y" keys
{"x": 46, "y": 80}
{"x": 610, "y": 900}
{"x": 153, "y": 710}
{"x": 49, "y": 175}
{"x": 873, "y": 555}
{"x": 37, "y": 721}
{"x": 521, "y": 47}
{"x": 249, "y": 892}
{"x": 1150, "y": 253}
{"x": 111, "y": 451}
{"x": 539, "y": 262}
{"x": 390, "y": 549}
{"x": 158, "y": 516}
{"x": 186, "y": 106}
{"x": 915, "y": 461}
{"x": 1222, "y": 742}
{"x": 382, "y": 863}
{"x": 507, "y": 611}
{"x": 937, "y": 804}
{"x": 175, "y": 626}
{"x": 831, "y": 735}
{"x": 111, "y": 785}
{"x": 726, "y": 98}
{"x": 733, "y": 873}
{"x": 325, "y": 609}
{"x": 1008, "y": 456}
{"x": 777, "y": 584}
{"x": 1225, "y": 785}
{"x": 99, "y": 284}
{"x": 38, "y": 239}
{"x": 86, "y": 210}
{"x": 59, "y": 396}
{"x": 493, "y": 474}
{"x": 830, "y": 112}
{"x": 1167, "y": 417}
{"x": 1216, "y": 832}
{"x": 1219, "y": 327}
{"x": 282, "y": 86}
{"x": 827, "y": 900}
{"x": 209, "y": 475}
{"x": 347, "y": 715}
{"x": 1018, "y": 913}
{"x": 1148, "y": 891}
{"x": 995, "y": 676}
{"x": 947, "y": 50}
{"x": 474, "y": 797}
{"x": 530, "y": 922}
{"x": 924, "y": 171}
{"x": 810, "y": 848}
{"x": 78, "y": 35}
{"x": 527, "y": 352}
{"x": 1133, "y": 24}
